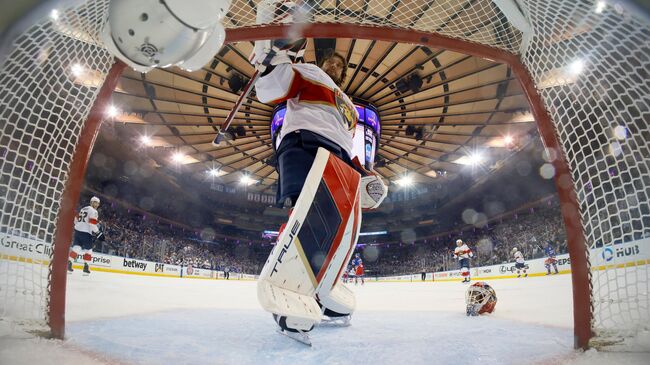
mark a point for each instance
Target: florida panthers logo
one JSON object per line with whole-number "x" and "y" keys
{"x": 346, "y": 109}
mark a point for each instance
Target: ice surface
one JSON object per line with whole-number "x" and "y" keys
{"x": 133, "y": 319}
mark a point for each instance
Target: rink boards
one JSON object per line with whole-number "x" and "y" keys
{"x": 26, "y": 250}
{"x": 624, "y": 255}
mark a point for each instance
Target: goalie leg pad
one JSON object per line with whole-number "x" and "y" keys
{"x": 339, "y": 302}
{"x": 321, "y": 234}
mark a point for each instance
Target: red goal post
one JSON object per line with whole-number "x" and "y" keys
{"x": 50, "y": 115}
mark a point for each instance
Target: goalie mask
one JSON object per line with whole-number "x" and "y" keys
{"x": 150, "y": 33}
{"x": 480, "y": 298}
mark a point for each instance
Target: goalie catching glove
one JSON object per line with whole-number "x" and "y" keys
{"x": 373, "y": 192}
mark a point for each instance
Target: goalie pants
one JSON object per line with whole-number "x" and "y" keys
{"x": 294, "y": 157}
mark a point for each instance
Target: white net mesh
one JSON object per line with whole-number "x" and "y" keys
{"x": 589, "y": 60}
{"x": 49, "y": 81}
{"x": 479, "y": 21}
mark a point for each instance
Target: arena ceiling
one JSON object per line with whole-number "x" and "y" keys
{"x": 437, "y": 108}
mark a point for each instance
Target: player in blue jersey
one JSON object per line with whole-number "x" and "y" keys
{"x": 357, "y": 263}
{"x": 550, "y": 259}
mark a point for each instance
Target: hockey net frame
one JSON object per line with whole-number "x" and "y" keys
{"x": 538, "y": 40}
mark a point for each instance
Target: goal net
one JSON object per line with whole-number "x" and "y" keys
{"x": 584, "y": 66}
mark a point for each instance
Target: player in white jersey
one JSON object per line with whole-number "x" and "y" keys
{"x": 85, "y": 231}
{"x": 520, "y": 262}
{"x": 463, "y": 254}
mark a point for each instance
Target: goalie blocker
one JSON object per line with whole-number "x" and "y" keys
{"x": 308, "y": 260}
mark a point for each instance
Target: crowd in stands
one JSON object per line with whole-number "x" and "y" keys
{"x": 530, "y": 231}
{"x": 135, "y": 234}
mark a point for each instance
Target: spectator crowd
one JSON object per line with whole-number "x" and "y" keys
{"x": 135, "y": 234}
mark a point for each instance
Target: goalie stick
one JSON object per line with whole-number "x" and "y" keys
{"x": 278, "y": 45}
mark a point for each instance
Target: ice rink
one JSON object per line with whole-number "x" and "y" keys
{"x": 130, "y": 319}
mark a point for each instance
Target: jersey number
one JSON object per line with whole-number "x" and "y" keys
{"x": 82, "y": 216}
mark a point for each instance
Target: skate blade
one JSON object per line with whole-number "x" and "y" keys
{"x": 335, "y": 322}
{"x": 297, "y": 336}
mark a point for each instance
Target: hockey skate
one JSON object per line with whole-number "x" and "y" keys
{"x": 70, "y": 269}
{"x": 86, "y": 269}
{"x": 343, "y": 321}
{"x": 293, "y": 333}
{"x": 299, "y": 336}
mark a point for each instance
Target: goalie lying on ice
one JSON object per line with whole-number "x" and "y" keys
{"x": 326, "y": 189}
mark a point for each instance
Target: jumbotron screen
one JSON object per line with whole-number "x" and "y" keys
{"x": 365, "y": 137}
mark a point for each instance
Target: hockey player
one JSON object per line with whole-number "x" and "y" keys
{"x": 520, "y": 263}
{"x": 85, "y": 231}
{"x": 463, "y": 254}
{"x": 324, "y": 189}
{"x": 357, "y": 263}
{"x": 550, "y": 259}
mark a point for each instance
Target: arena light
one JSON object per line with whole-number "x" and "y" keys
{"x": 600, "y": 6}
{"x": 376, "y": 233}
{"x": 54, "y": 14}
{"x": 577, "y": 66}
{"x": 77, "y": 69}
{"x": 178, "y": 157}
{"x": 508, "y": 140}
{"x": 145, "y": 140}
{"x": 406, "y": 180}
{"x": 112, "y": 111}
{"x": 475, "y": 158}
{"x": 215, "y": 172}
{"x": 247, "y": 180}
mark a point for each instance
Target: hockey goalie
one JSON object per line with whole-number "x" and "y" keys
{"x": 323, "y": 189}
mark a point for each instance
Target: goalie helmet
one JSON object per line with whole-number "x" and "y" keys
{"x": 480, "y": 298}
{"x": 152, "y": 33}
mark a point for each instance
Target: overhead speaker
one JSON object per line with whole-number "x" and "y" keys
{"x": 240, "y": 131}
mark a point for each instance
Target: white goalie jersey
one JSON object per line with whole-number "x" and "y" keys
{"x": 314, "y": 102}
